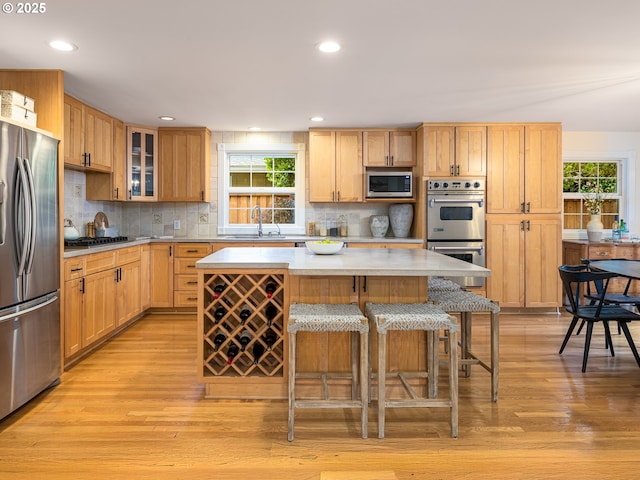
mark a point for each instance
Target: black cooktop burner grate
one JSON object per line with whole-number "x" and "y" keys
{"x": 91, "y": 242}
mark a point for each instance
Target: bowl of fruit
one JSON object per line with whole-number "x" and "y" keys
{"x": 324, "y": 247}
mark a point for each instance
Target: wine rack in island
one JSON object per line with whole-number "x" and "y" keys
{"x": 243, "y": 326}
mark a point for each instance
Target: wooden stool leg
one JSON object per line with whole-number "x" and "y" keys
{"x": 495, "y": 351}
{"x": 433, "y": 345}
{"x": 453, "y": 382}
{"x": 354, "y": 365}
{"x": 364, "y": 383}
{"x": 465, "y": 340}
{"x": 292, "y": 382}
{"x": 382, "y": 369}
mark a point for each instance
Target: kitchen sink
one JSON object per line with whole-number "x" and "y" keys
{"x": 255, "y": 237}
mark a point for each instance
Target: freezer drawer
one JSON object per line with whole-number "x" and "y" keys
{"x": 29, "y": 350}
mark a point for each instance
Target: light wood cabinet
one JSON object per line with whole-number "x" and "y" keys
{"x": 161, "y": 273}
{"x": 185, "y": 275}
{"x": 73, "y": 314}
{"x": 184, "y": 164}
{"x": 395, "y": 148}
{"x": 99, "y": 312}
{"x": 142, "y": 163}
{"x": 145, "y": 277}
{"x": 103, "y": 186}
{"x": 88, "y": 136}
{"x": 523, "y": 254}
{"x": 450, "y": 150}
{"x": 524, "y": 173}
{"x": 335, "y": 166}
{"x": 128, "y": 279}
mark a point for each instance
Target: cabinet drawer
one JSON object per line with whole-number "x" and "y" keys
{"x": 625, "y": 251}
{"x": 596, "y": 252}
{"x": 185, "y": 299}
{"x": 197, "y": 250}
{"x": 98, "y": 262}
{"x": 185, "y": 282}
{"x": 74, "y": 268}
{"x": 184, "y": 265}
{"x": 127, "y": 255}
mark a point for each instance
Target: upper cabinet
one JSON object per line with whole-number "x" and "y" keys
{"x": 525, "y": 168}
{"x": 88, "y": 136}
{"x": 335, "y": 166}
{"x": 142, "y": 163}
{"x": 184, "y": 164}
{"x": 104, "y": 186}
{"x": 451, "y": 151}
{"x": 395, "y": 148}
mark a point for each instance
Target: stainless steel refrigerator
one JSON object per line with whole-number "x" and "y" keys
{"x": 29, "y": 266}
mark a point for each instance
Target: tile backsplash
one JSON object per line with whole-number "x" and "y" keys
{"x": 197, "y": 220}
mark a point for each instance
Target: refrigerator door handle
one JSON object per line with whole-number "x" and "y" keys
{"x": 3, "y": 214}
{"x": 21, "y": 204}
{"x": 32, "y": 215}
{"x": 14, "y": 312}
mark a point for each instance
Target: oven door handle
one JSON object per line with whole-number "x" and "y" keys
{"x": 480, "y": 250}
{"x": 433, "y": 201}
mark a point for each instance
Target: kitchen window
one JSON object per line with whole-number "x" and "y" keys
{"x": 269, "y": 176}
{"x": 580, "y": 177}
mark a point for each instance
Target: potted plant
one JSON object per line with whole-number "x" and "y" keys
{"x": 594, "y": 198}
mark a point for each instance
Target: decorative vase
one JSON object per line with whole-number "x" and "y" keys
{"x": 594, "y": 228}
{"x": 379, "y": 224}
{"x": 401, "y": 216}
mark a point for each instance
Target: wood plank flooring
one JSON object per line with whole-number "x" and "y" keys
{"x": 134, "y": 410}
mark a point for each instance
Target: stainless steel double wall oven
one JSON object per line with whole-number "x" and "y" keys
{"x": 456, "y": 222}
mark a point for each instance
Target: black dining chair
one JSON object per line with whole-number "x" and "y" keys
{"x": 574, "y": 279}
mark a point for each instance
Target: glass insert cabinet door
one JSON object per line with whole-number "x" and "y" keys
{"x": 142, "y": 163}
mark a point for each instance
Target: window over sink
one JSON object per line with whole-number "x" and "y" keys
{"x": 269, "y": 176}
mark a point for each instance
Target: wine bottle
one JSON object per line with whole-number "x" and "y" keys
{"x": 245, "y": 313}
{"x": 270, "y": 311}
{"x": 270, "y": 288}
{"x": 218, "y": 340}
{"x": 244, "y": 339}
{"x": 232, "y": 351}
{"x": 258, "y": 350}
{"x": 270, "y": 338}
{"x": 218, "y": 289}
{"x": 219, "y": 313}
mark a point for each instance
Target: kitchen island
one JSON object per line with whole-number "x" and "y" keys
{"x": 244, "y": 296}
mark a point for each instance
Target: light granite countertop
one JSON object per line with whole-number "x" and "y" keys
{"x": 349, "y": 261}
{"x": 77, "y": 251}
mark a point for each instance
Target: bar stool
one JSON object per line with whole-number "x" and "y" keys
{"x": 414, "y": 316}
{"x": 465, "y": 303}
{"x": 439, "y": 284}
{"x": 330, "y": 318}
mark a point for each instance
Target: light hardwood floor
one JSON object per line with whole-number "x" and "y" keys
{"x": 134, "y": 410}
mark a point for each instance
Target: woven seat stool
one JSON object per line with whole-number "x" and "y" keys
{"x": 331, "y": 318}
{"x": 465, "y": 303}
{"x": 414, "y": 316}
{"x": 439, "y": 284}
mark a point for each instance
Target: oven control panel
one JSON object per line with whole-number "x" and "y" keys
{"x": 466, "y": 184}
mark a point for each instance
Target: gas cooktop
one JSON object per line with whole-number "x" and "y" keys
{"x": 93, "y": 242}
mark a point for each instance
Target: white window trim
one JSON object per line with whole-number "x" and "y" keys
{"x": 627, "y": 161}
{"x": 224, "y": 149}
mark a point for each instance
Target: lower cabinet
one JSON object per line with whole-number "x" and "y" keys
{"x": 101, "y": 294}
{"x": 161, "y": 273}
{"x": 523, "y": 254}
{"x": 185, "y": 275}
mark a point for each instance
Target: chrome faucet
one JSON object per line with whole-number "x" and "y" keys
{"x": 253, "y": 212}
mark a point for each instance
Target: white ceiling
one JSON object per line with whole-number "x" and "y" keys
{"x": 232, "y": 64}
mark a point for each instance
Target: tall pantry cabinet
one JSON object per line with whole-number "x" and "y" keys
{"x": 524, "y": 214}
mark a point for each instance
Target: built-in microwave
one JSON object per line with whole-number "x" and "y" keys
{"x": 389, "y": 184}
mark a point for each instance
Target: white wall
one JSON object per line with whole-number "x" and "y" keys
{"x": 611, "y": 145}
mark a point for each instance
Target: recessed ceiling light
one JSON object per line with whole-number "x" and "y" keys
{"x": 317, "y": 119}
{"x": 254, "y": 129}
{"x": 167, "y": 118}
{"x": 329, "y": 47}
{"x": 62, "y": 45}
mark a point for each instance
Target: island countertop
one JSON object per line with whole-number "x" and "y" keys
{"x": 349, "y": 261}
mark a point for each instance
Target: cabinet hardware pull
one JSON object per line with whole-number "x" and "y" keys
{"x": 191, "y": 266}
{"x": 82, "y": 286}
{"x": 522, "y": 207}
{"x": 391, "y": 162}
{"x": 202, "y": 195}
{"x": 192, "y": 298}
{"x": 364, "y": 284}
{"x": 89, "y": 157}
{"x": 170, "y": 250}
{"x": 386, "y": 160}
{"x": 458, "y": 170}
{"x": 338, "y": 196}
{"x": 192, "y": 283}
{"x": 451, "y": 170}
{"x": 354, "y": 283}
{"x": 79, "y": 269}
{"x": 522, "y": 225}
{"x": 129, "y": 194}
{"x": 117, "y": 193}
{"x": 192, "y": 251}
{"x": 528, "y": 207}
{"x": 528, "y": 225}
